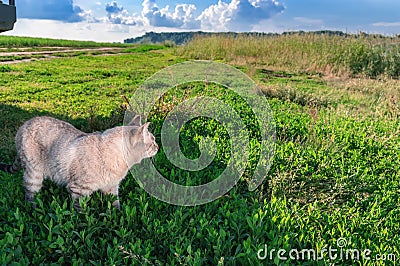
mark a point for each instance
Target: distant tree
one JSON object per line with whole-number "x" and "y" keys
{"x": 179, "y": 38}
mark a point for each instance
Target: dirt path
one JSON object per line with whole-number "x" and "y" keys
{"x": 26, "y": 56}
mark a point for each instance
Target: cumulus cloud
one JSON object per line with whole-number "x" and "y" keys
{"x": 62, "y": 10}
{"x": 238, "y": 15}
{"x": 182, "y": 17}
{"x": 114, "y": 8}
{"x": 216, "y": 17}
{"x": 116, "y": 14}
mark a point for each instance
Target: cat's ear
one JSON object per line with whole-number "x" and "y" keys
{"x": 136, "y": 121}
{"x": 144, "y": 129}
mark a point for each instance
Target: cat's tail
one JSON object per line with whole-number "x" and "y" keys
{"x": 12, "y": 169}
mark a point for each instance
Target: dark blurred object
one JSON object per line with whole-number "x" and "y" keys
{"x": 7, "y": 15}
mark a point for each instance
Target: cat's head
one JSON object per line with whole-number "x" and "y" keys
{"x": 139, "y": 140}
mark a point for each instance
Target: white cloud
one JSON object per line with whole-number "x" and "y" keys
{"x": 386, "y": 24}
{"x": 99, "y": 31}
{"x": 86, "y": 15}
{"x": 182, "y": 17}
{"x": 116, "y": 14}
{"x": 216, "y": 17}
{"x": 117, "y": 28}
{"x": 238, "y": 15}
{"x": 113, "y": 22}
{"x": 185, "y": 13}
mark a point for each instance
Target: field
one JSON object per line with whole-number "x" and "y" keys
{"x": 333, "y": 183}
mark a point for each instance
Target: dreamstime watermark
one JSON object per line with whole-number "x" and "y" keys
{"x": 338, "y": 253}
{"x": 153, "y": 89}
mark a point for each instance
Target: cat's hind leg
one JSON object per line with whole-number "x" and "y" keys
{"x": 113, "y": 190}
{"x": 33, "y": 182}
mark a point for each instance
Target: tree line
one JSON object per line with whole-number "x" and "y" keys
{"x": 178, "y": 38}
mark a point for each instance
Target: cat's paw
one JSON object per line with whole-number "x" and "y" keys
{"x": 29, "y": 199}
{"x": 77, "y": 205}
{"x": 116, "y": 204}
{"x": 33, "y": 205}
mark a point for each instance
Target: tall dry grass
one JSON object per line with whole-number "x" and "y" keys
{"x": 350, "y": 55}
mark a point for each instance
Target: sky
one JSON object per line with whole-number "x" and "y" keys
{"x": 114, "y": 21}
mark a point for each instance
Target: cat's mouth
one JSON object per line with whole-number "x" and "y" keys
{"x": 152, "y": 151}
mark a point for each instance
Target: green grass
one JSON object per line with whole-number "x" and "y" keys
{"x": 335, "y": 173}
{"x": 15, "y": 42}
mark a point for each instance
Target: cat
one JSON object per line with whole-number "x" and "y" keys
{"x": 83, "y": 162}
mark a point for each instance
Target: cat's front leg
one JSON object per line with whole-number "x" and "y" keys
{"x": 114, "y": 191}
{"x": 77, "y": 191}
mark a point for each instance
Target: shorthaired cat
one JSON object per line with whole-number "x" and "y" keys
{"x": 83, "y": 162}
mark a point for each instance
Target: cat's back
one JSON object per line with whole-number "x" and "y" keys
{"x": 45, "y": 130}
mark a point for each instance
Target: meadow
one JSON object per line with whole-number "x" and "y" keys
{"x": 333, "y": 183}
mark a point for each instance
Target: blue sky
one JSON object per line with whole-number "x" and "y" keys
{"x": 115, "y": 21}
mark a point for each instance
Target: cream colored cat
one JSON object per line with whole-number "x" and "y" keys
{"x": 84, "y": 163}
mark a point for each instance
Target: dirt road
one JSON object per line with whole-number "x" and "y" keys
{"x": 30, "y": 54}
